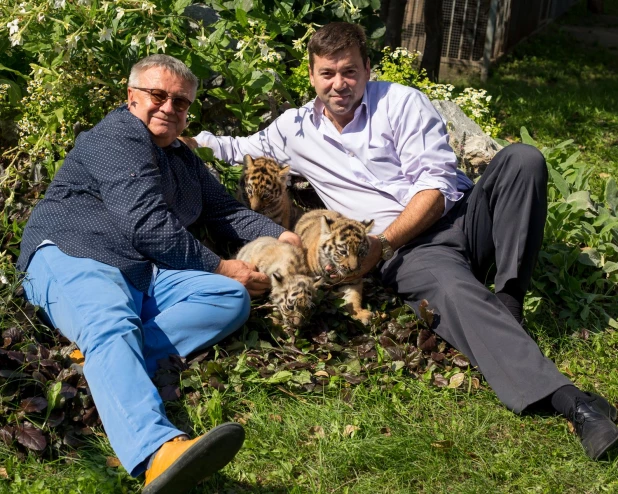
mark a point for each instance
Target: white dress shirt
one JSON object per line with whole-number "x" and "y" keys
{"x": 395, "y": 146}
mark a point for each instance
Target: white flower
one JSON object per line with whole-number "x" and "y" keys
{"x": 72, "y": 41}
{"x": 13, "y": 26}
{"x": 22, "y": 7}
{"x": 105, "y": 34}
{"x": 135, "y": 41}
{"x": 298, "y": 44}
{"x": 120, "y": 12}
{"x": 202, "y": 41}
{"x": 40, "y": 17}
{"x": 238, "y": 55}
{"x": 60, "y": 4}
{"x": 85, "y": 3}
{"x": 161, "y": 45}
{"x": 149, "y": 7}
{"x": 240, "y": 44}
{"x": 4, "y": 280}
{"x": 150, "y": 37}
{"x": 16, "y": 39}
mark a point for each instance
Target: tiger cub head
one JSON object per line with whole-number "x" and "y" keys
{"x": 293, "y": 296}
{"x": 343, "y": 245}
{"x": 263, "y": 183}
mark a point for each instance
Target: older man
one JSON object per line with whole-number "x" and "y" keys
{"x": 376, "y": 150}
{"x": 110, "y": 262}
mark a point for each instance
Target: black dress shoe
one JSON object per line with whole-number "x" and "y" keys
{"x": 602, "y": 406}
{"x": 597, "y": 432}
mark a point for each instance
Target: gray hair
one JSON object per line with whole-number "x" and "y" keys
{"x": 166, "y": 62}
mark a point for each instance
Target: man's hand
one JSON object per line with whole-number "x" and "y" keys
{"x": 189, "y": 141}
{"x": 290, "y": 238}
{"x": 255, "y": 282}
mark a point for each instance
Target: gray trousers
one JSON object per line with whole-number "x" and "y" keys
{"x": 493, "y": 233}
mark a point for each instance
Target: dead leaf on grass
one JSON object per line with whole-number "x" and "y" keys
{"x": 386, "y": 431}
{"x": 440, "y": 381}
{"x": 3, "y": 473}
{"x": 349, "y": 430}
{"x": 456, "y": 380}
{"x": 276, "y": 418}
{"x": 443, "y": 445}
{"x": 112, "y": 462}
{"x": 317, "y": 431}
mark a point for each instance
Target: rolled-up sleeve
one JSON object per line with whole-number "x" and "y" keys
{"x": 421, "y": 140}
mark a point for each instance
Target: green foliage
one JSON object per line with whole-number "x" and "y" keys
{"x": 578, "y": 265}
{"x": 402, "y": 66}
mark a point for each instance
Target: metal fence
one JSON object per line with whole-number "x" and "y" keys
{"x": 476, "y": 32}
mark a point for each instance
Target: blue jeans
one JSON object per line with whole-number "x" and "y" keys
{"x": 122, "y": 333}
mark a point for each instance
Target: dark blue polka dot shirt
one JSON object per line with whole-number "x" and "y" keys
{"x": 124, "y": 201}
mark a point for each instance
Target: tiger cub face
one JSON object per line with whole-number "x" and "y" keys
{"x": 263, "y": 184}
{"x": 293, "y": 296}
{"x": 344, "y": 245}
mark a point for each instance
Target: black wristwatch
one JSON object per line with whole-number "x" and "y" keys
{"x": 387, "y": 250}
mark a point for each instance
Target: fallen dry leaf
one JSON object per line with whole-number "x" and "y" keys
{"x": 385, "y": 431}
{"x": 322, "y": 373}
{"x": 3, "y": 473}
{"x": 571, "y": 427}
{"x": 456, "y": 380}
{"x": 112, "y": 462}
{"x": 349, "y": 430}
{"x": 476, "y": 384}
{"x": 316, "y": 431}
{"x": 443, "y": 445}
{"x": 276, "y": 418}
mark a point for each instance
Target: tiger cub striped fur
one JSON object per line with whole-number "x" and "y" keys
{"x": 293, "y": 290}
{"x": 263, "y": 188}
{"x": 336, "y": 246}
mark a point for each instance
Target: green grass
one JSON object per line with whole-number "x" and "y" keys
{"x": 560, "y": 88}
{"x": 411, "y": 436}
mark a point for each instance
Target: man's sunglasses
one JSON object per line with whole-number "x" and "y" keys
{"x": 159, "y": 96}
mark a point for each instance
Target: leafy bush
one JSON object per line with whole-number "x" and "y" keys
{"x": 578, "y": 265}
{"x": 403, "y": 66}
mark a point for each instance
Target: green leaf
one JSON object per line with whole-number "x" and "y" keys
{"x": 12, "y": 71}
{"x": 13, "y": 91}
{"x": 205, "y": 154}
{"x": 280, "y": 377}
{"x": 590, "y": 257}
{"x": 181, "y": 5}
{"x": 560, "y": 183}
{"x": 526, "y": 138}
{"x": 611, "y": 195}
{"x": 241, "y": 17}
{"x": 503, "y": 142}
{"x": 580, "y": 200}
{"x": 564, "y": 144}
{"x": 610, "y": 267}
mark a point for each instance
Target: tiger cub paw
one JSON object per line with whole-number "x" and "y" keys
{"x": 363, "y": 315}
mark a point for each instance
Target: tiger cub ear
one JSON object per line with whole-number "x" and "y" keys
{"x": 247, "y": 161}
{"x": 284, "y": 171}
{"x": 368, "y": 224}
{"x": 325, "y": 225}
{"x": 278, "y": 277}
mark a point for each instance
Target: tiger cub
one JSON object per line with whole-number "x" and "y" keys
{"x": 293, "y": 290}
{"x": 336, "y": 247}
{"x": 263, "y": 188}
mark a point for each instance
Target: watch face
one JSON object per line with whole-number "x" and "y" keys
{"x": 387, "y": 254}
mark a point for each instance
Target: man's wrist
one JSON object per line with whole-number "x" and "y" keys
{"x": 387, "y": 249}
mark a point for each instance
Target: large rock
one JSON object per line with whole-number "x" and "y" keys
{"x": 474, "y": 149}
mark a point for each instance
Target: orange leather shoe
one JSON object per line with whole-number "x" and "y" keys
{"x": 181, "y": 464}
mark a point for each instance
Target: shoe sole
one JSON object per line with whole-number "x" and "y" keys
{"x": 208, "y": 455}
